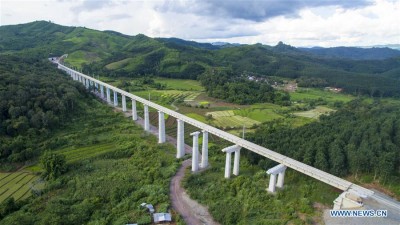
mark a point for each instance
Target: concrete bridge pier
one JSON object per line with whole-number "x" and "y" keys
{"x": 87, "y": 84}
{"x": 115, "y": 98}
{"x": 108, "y": 95}
{"x": 229, "y": 151}
{"x": 180, "y": 139}
{"x": 204, "y": 150}
{"x": 146, "y": 118}
{"x": 134, "y": 111}
{"x": 195, "y": 151}
{"x": 279, "y": 171}
{"x": 123, "y": 103}
{"x": 161, "y": 127}
{"x": 102, "y": 91}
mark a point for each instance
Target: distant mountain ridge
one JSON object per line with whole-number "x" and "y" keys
{"x": 355, "y": 53}
{"x": 115, "y": 54}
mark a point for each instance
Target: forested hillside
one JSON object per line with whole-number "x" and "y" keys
{"x": 354, "y": 53}
{"x": 114, "y": 54}
{"x": 35, "y": 99}
{"x": 361, "y": 138}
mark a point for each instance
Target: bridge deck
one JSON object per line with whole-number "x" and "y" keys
{"x": 289, "y": 162}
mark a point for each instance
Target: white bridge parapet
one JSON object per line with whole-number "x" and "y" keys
{"x": 289, "y": 162}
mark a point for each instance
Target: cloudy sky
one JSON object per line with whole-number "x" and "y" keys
{"x": 296, "y": 22}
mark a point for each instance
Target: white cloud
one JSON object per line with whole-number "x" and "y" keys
{"x": 333, "y": 24}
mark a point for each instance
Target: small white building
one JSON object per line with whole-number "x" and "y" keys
{"x": 161, "y": 217}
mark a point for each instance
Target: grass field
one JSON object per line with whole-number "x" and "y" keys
{"x": 315, "y": 113}
{"x": 228, "y": 118}
{"x": 261, "y": 112}
{"x": 16, "y": 184}
{"x": 314, "y": 93}
{"x": 180, "y": 84}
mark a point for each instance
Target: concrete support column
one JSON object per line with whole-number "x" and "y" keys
{"x": 195, "y": 151}
{"x": 281, "y": 179}
{"x": 123, "y": 103}
{"x": 108, "y": 96}
{"x": 279, "y": 171}
{"x": 180, "y": 139}
{"x": 115, "y": 98}
{"x": 229, "y": 151}
{"x": 102, "y": 91}
{"x": 236, "y": 163}
{"x": 134, "y": 111}
{"x": 228, "y": 165}
{"x": 87, "y": 83}
{"x": 272, "y": 182}
{"x": 204, "y": 150}
{"x": 146, "y": 118}
{"x": 161, "y": 127}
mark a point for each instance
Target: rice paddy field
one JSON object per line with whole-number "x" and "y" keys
{"x": 17, "y": 185}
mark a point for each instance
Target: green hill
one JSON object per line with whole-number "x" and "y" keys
{"x": 114, "y": 54}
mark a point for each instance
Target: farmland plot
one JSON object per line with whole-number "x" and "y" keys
{"x": 228, "y": 119}
{"x": 17, "y": 185}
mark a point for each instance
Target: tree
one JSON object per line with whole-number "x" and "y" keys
{"x": 54, "y": 165}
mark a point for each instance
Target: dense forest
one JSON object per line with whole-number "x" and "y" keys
{"x": 359, "y": 138}
{"x": 114, "y": 54}
{"x": 34, "y": 100}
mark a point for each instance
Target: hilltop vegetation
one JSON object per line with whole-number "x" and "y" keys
{"x": 113, "y": 54}
{"x": 35, "y": 99}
